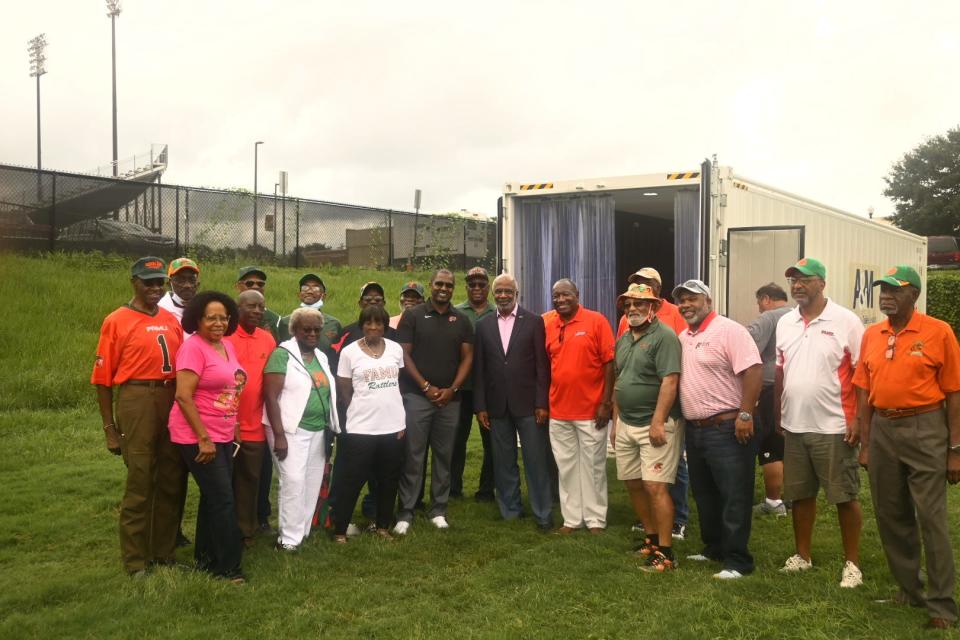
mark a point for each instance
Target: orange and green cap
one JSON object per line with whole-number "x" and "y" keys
{"x": 180, "y": 264}
{"x": 900, "y": 276}
{"x": 808, "y": 267}
{"x": 638, "y": 292}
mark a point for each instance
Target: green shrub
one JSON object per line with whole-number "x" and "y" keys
{"x": 943, "y": 297}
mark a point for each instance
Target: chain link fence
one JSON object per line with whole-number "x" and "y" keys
{"x": 52, "y": 210}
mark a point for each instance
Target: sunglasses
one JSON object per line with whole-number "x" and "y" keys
{"x": 443, "y": 285}
{"x": 310, "y": 287}
{"x": 891, "y": 343}
{"x": 372, "y": 299}
{"x": 802, "y": 281}
{"x": 476, "y": 285}
{"x": 259, "y": 284}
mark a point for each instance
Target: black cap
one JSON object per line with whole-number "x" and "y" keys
{"x": 312, "y": 276}
{"x": 245, "y": 271}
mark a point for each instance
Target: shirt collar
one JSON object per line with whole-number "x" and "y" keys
{"x": 703, "y": 325}
{"x": 511, "y": 314}
{"x": 912, "y": 325}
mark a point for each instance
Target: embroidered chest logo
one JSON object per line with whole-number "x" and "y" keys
{"x": 916, "y": 349}
{"x": 452, "y": 319}
{"x": 826, "y": 333}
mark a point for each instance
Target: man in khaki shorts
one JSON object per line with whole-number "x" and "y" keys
{"x": 648, "y": 439}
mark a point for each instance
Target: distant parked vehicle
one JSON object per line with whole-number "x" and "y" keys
{"x": 113, "y": 235}
{"x": 942, "y": 252}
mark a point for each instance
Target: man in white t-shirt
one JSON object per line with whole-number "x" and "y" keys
{"x": 818, "y": 346}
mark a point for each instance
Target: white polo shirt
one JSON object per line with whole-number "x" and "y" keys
{"x": 818, "y": 360}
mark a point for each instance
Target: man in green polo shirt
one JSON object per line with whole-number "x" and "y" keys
{"x": 648, "y": 436}
{"x": 476, "y": 306}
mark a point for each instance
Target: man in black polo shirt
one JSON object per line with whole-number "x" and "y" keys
{"x": 437, "y": 342}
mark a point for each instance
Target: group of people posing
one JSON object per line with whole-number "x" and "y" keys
{"x": 226, "y": 389}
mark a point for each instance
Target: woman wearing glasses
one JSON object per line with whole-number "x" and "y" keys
{"x": 203, "y": 425}
{"x": 300, "y": 405}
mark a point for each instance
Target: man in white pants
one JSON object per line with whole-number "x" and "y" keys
{"x": 580, "y": 348}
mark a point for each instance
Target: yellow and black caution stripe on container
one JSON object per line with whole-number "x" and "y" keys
{"x": 539, "y": 185}
{"x": 683, "y": 175}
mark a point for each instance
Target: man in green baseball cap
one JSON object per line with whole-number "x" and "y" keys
{"x": 807, "y": 267}
{"x": 253, "y": 277}
{"x": 149, "y": 268}
{"x": 900, "y": 276}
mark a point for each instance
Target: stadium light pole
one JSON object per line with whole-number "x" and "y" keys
{"x": 38, "y": 68}
{"x": 113, "y": 10}
{"x": 256, "y": 149}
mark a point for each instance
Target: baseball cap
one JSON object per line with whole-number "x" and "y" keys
{"x": 180, "y": 264}
{"x": 477, "y": 272}
{"x": 647, "y": 272}
{"x": 412, "y": 286}
{"x": 148, "y": 268}
{"x": 312, "y": 276}
{"x": 245, "y": 271}
{"x": 691, "y": 286}
{"x": 900, "y": 276}
{"x": 371, "y": 285}
{"x": 637, "y": 292}
{"x": 808, "y": 267}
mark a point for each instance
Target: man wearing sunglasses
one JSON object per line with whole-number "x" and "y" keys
{"x": 908, "y": 390}
{"x": 818, "y": 348}
{"x": 256, "y": 278}
{"x": 313, "y": 294}
{"x": 476, "y": 306}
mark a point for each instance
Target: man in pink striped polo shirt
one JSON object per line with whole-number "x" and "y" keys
{"x": 818, "y": 346}
{"x": 720, "y": 377}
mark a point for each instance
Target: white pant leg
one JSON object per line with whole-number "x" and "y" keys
{"x": 566, "y": 451}
{"x": 294, "y": 484}
{"x": 593, "y": 472}
{"x": 316, "y": 461}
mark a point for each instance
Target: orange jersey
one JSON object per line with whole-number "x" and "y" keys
{"x": 136, "y": 346}
{"x": 668, "y": 314}
{"x": 924, "y": 368}
{"x": 578, "y": 352}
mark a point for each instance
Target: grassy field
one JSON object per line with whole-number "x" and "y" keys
{"x": 60, "y": 575}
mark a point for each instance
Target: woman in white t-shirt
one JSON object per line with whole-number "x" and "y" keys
{"x": 372, "y": 443}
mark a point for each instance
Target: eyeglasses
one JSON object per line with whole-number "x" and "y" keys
{"x": 372, "y": 299}
{"x": 216, "y": 318}
{"x": 891, "y": 343}
{"x": 316, "y": 330}
{"x": 259, "y": 284}
{"x": 190, "y": 278}
{"x": 476, "y": 285}
{"x": 443, "y": 285}
{"x": 153, "y": 282}
{"x": 310, "y": 287}
{"x": 804, "y": 281}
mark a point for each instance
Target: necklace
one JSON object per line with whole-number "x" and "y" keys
{"x": 373, "y": 352}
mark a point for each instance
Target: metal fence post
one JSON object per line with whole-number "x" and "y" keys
{"x": 390, "y": 239}
{"x": 296, "y": 247}
{"x": 176, "y": 222}
{"x": 53, "y": 214}
{"x": 186, "y": 220}
{"x": 159, "y": 205}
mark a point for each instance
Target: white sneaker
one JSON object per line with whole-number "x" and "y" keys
{"x": 353, "y": 530}
{"x": 851, "y": 577}
{"x": 401, "y": 528}
{"x": 795, "y": 564}
{"x": 698, "y": 557}
{"x": 728, "y": 574}
{"x": 440, "y": 522}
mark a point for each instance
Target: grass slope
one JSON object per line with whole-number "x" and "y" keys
{"x": 60, "y": 575}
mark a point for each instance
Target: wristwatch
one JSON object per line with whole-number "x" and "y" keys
{"x": 745, "y": 416}
{"x": 955, "y": 448}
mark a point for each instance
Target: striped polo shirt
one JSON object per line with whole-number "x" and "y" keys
{"x": 713, "y": 359}
{"x": 817, "y": 359}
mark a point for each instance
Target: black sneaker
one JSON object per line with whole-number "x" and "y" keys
{"x": 679, "y": 531}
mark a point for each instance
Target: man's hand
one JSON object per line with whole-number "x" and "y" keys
{"x": 864, "y": 458}
{"x": 542, "y": 416}
{"x": 484, "y": 419}
{"x": 441, "y": 398}
{"x": 280, "y": 446}
{"x": 604, "y": 411}
{"x": 743, "y": 430}
{"x": 852, "y": 436}
{"x": 953, "y": 467}
{"x": 113, "y": 438}
{"x": 658, "y": 434}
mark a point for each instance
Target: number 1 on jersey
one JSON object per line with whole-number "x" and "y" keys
{"x": 167, "y": 367}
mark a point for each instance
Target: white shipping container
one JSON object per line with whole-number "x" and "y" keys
{"x": 734, "y": 233}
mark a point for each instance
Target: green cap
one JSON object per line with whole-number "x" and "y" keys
{"x": 148, "y": 268}
{"x": 808, "y": 267}
{"x": 414, "y": 286}
{"x": 245, "y": 271}
{"x": 900, "y": 276}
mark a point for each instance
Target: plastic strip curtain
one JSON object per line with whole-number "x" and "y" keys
{"x": 686, "y": 235}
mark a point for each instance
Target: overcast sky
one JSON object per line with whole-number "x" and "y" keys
{"x": 362, "y": 102}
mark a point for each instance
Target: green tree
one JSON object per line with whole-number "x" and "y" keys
{"x": 925, "y": 187}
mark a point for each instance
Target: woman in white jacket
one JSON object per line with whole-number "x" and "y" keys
{"x": 300, "y": 405}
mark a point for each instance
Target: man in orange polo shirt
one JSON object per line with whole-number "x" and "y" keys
{"x": 580, "y": 348}
{"x": 908, "y": 392}
{"x": 253, "y": 346}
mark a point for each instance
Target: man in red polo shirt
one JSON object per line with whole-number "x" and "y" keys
{"x": 908, "y": 394}
{"x": 253, "y": 346}
{"x": 580, "y": 348}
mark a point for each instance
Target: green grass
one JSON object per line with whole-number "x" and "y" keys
{"x": 60, "y": 574}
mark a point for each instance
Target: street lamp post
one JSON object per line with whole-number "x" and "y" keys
{"x": 256, "y": 149}
{"x": 113, "y": 10}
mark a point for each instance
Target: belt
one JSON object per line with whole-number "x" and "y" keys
{"x": 894, "y": 414}
{"x": 166, "y": 382}
{"x": 715, "y": 420}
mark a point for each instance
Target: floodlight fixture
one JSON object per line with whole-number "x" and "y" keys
{"x": 38, "y": 60}
{"x": 113, "y": 8}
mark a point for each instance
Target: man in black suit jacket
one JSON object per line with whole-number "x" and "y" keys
{"x": 511, "y": 390}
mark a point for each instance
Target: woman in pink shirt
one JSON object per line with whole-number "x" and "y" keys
{"x": 203, "y": 424}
